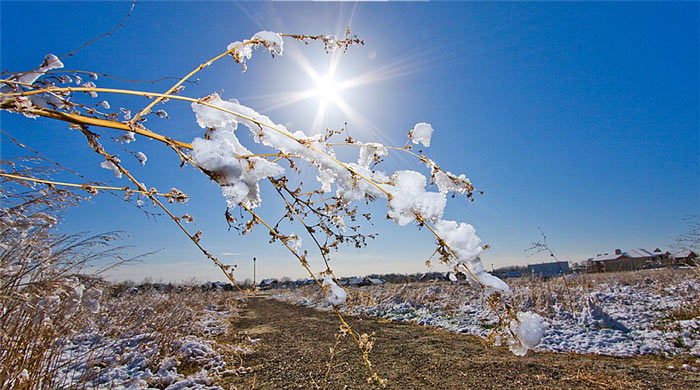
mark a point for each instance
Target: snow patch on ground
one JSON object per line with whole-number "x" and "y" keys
{"x": 135, "y": 361}
{"x": 617, "y": 319}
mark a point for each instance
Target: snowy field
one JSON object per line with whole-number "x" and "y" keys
{"x": 143, "y": 339}
{"x": 621, "y": 314}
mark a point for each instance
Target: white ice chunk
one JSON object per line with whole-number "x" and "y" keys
{"x": 368, "y": 152}
{"x": 127, "y": 137}
{"x": 409, "y": 197}
{"x": 337, "y": 296}
{"x": 238, "y": 177}
{"x": 294, "y": 242}
{"x": 91, "y": 300}
{"x": 142, "y": 158}
{"x": 529, "y": 329}
{"x": 106, "y": 164}
{"x": 50, "y": 62}
{"x": 272, "y": 40}
{"x": 421, "y": 133}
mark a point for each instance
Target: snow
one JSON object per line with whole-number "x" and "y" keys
{"x": 135, "y": 361}
{"x": 369, "y": 152}
{"x": 449, "y": 182}
{"x": 294, "y": 243}
{"x": 616, "y": 319}
{"x": 238, "y": 177}
{"x": 126, "y": 114}
{"x": 90, "y": 84}
{"x": 241, "y": 53}
{"x": 50, "y": 62}
{"x": 336, "y": 295}
{"x": 462, "y": 239}
{"x": 142, "y": 158}
{"x": 272, "y": 40}
{"x": 421, "y": 133}
{"x": 409, "y": 197}
{"x": 91, "y": 300}
{"x": 529, "y": 329}
{"x": 353, "y": 181}
{"x": 106, "y": 164}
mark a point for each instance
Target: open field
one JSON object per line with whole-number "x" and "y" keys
{"x": 295, "y": 349}
{"x": 189, "y": 339}
{"x": 620, "y": 314}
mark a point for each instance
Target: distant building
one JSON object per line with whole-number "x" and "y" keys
{"x": 431, "y": 276}
{"x": 631, "y": 260}
{"x": 217, "y": 286}
{"x": 268, "y": 283}
{"x": 548, "y": 270}
{"x": 513, "y": 274}
{"x": 358, "y": 281}
{"x": 687, "y": 257}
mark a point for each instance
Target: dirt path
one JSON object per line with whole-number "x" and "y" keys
{"x": 295, "y": 348}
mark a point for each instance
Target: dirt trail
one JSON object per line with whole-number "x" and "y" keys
{"x": 295, "y": 348}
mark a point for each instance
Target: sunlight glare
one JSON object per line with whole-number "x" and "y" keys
{"x": 326, "y": 88}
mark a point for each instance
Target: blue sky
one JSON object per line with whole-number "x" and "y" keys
{"x": 579, "y": 118}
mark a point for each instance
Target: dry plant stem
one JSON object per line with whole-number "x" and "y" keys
{"x": 304, "y": 264}
{"x": 73, "y": 118}
{"x": 131, "y": 9}
{"x": 306, "y": 227}
{"x": 491, "y": 304}
{"x": 98, "y": 149}
{"x": 196, "y": 70}
{"x": 277, "y": 235}
{"x": 403, "y": 149}
{"x": 122, "y": 126}
{"x": 88, "y": 121}
{"x": 167, "y": 93}
{"x": 56, "y": 183}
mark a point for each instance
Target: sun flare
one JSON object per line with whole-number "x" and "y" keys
{"x": 326, "y": 89}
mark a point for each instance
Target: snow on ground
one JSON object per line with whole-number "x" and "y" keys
{"x": 624, "y": 314}
{"x": 150, "y": 359}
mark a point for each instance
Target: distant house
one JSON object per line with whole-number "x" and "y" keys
{"x": 358, "y": 282}
{"x": 216, "y": 286}
{"x": 548, "y": 270}
{"x": 375, "y": 281}
{"x": 631, "y": 260}
{"x": 431, "y": 276}
{"x": 268, "y": 283}
{"x": 687, "y": 257}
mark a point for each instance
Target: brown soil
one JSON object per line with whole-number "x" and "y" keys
{"x": 295, "y": 345}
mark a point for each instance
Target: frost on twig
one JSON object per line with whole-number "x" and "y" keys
{"x": 106, "y": 164}
{"x": 241, "y": 52}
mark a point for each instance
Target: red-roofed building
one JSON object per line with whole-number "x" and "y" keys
{"x": 631, "y": 260}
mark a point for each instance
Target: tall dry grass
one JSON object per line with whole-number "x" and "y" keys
{"x": 63, "y": 329}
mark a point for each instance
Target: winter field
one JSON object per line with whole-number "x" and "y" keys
{"x": 619, "y": 314}
{"x": 89, "y": 334}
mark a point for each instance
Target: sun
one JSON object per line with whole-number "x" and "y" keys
{"x": 326, "y": 89}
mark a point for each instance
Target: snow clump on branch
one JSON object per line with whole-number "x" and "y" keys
{"x": 529, "y": 329}
{"x": 336, "y": 295}
{"x": 354, "y": 182}
{"x": 421, "y": 133}
{"x": 237, "y": 176}
{"x": 405, "y": 191}
{"x": 242, "y": 52}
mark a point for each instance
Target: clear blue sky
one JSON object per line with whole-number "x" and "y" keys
{"x": 579, "y": 118}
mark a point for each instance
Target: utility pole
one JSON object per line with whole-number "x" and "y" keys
{"x": 253, "y": 271}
